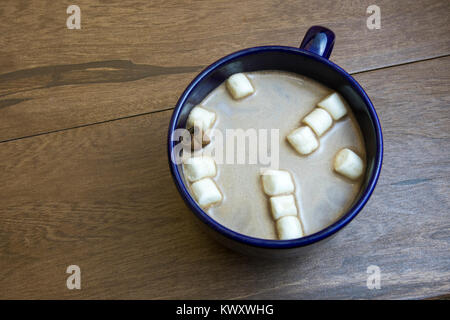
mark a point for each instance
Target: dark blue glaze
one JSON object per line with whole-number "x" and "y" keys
{"x": 303, "y": 61}
{"x": 319, "y": 40}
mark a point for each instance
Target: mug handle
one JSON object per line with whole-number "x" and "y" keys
{"x": 318, "y": 40}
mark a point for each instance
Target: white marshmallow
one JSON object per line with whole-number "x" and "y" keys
{"x": 335, "y": 105}
{"x": 319, "y": 120}
{"x": 201, "y": 118}
{"x": 289, "y": 227}
{"x": 348, "y": 164}
{"x": 197, "y": 168}
{"x": 303, "y": 140}
{"x": 206, "y": 192}
{"x": 283, "y": 206}
{"x": 276, "y": 182}
{"x": 239, "y": 86}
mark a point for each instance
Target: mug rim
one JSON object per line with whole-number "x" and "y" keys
{"x": 350, "y": 214}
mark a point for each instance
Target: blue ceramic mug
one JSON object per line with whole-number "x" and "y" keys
{"x": 310, "y": 60}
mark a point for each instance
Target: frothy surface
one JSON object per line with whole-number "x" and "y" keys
{"x": 281, "y": 101}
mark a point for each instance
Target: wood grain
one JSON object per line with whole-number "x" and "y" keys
{"x": 102, "y": 197}
{"x": 136, "y": 57}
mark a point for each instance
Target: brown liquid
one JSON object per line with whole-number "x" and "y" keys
{"x": 281, "y": 100}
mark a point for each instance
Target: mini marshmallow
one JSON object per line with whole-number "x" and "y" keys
{"x": 206, "y": 192}
{"x": 197, "y": 168}
{"x": 319, "y": 120}
{"x": 348, "y": 163}
{"x": 283, "y": 206}
{"x": 335, "y": 105}
{"x": 303, "y": 140}
{"x": 239, "y": 86}
{"x": 289, "y": 227}
{"x": 201, "y": 118}
{"x": 276, "y": 182}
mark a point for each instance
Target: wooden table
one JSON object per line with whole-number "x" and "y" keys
{"x": 84, "y": 175}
